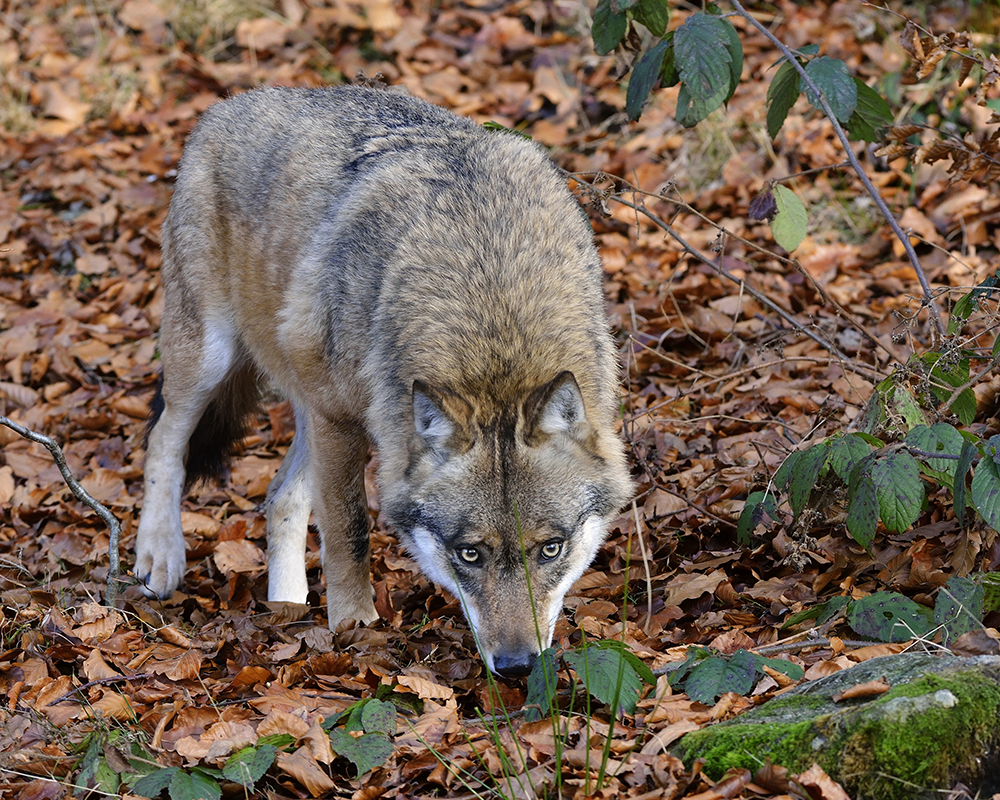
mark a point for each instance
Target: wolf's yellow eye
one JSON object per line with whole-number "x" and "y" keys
{"x": 551, "y": 549}
{"x": 470, "y": 555}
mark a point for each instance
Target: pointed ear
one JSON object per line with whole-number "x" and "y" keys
{"x": 441, "y": 419}
{"x": 556, "y": 408}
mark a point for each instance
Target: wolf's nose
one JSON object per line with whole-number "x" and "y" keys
{"x": 515, "y": 666}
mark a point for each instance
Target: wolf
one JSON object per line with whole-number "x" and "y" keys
{"x": 412, "y": 282}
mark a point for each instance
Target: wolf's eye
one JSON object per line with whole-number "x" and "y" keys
{"x": 470, "y": 555}
{"x": 551, "y": 549}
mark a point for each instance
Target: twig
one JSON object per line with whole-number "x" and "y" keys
{"x": 114, "y": 527}
{"x": 855, "y": 165}
{"x": 759, "y": 296}
{"x": 103, "y": 681}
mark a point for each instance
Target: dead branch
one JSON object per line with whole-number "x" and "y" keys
{"x": 114, "y": 527}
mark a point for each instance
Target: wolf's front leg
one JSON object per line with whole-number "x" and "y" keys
{"x": 159, "y": 546}
{"x": 338, "y": 449}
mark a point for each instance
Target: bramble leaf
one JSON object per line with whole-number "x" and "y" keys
{"x": 609, "y": 27}
{"x": 644, "y": 77}
{"x": 899, "y": 490}
{"x": 790, "y": 223}
{"x": 602, "y": 672}
{"x": 889, "y": 617}
{"x": 834, "y": 80}
{"x": 871, "y": 114}
{"x": 654, "y": 14}
{"x": 958, "y": 608}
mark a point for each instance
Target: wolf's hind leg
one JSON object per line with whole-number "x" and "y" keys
{"x": 338, "y": 450}
{"x": 193, "y": 372}
{"x": 289, "y": 502}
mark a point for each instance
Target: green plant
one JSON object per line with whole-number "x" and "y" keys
{"x": 891, "y": 617}
{"x": 881, "y": 472}
{"x": 705, "y": 676}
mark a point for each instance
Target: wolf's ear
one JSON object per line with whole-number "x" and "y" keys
{"x": 441, "y": 419}
{"x": 556, "y": 408}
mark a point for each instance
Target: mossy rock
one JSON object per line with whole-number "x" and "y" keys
{"x": 939, "y": 725}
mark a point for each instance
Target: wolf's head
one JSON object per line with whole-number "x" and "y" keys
{"x": 507, "y": 510}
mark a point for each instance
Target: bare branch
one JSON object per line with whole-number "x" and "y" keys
{"x": 114, "y": 527}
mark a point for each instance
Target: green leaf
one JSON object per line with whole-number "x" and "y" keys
{"x": 695, "y": 654}
{"x": 640, "y": 666}
{"x": 758, "y": 505}
{"x": 735, "y": 48}
{"x": 964, "y": 462}
{"x": 790, "y": 223}
{"x": 786, "y": 470}
{"x": 803, "y": 477}
{"x": 832, "y": 607}
{"x": 870, "y": 116}
{"x": 194, "y": 785}
{"x": 654, "y": 14}
{"x": 247, "y": 766}
{"x": 834, "y": 80}
{"x": 279, "y": 740}
{"x": 379, "y": 716}
{"x": 990, "y": 581}
{"x": 939, "y": 438}
{"x": 669, "y": 76}
{"x": 968, "y": 303}
{"x": 781, "y": 96}
{"x": 714, "y": 677}
{"x": 862, "y": 504}
{"x": 366, "y": 753}
{"x": 986, "y": 485}
{"x": 952, "y": 374}
{"x": 704, "y": 61}
{"x": 793, "y": 671}
{"x": 889, "y": 617}
{"x": 609, "y": 27}
{"x": 960, "y": 313}
{"x": 899, "y": 490}
{"x": 845, "y": 452}
{"x": 821, "y": 613}
{"x": 622, "y": 5}
{"x": 959, "y": 608}
{"x": 644, "y": 76}
{"x": 542, "y": 683}
{"x": 153, "y": 784}
{"x": 905, "y": 405}
{"x": 602, "y": 671}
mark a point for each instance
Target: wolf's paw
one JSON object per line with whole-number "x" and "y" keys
{"x": 160, "y": 566}
{"x": 360, "y": 610}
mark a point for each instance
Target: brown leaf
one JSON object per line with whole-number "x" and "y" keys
{"x": 186, "y": 668}
{"x": 238, "y": 555}
{"x": 819, "y": 785}
{"x": 96, "y": 668}
{"x": 302, "y": 766}
{"x": 868, "y": 689}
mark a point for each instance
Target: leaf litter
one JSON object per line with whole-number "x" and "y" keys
{"x": 96, "y": 104}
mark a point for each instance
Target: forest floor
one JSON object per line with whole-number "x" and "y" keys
{"x": 96, "y": 102}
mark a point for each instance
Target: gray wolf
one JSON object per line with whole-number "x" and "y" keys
{"x": 410, "y": 281}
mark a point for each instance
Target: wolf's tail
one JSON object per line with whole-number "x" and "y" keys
{"x": 224, "y": 424}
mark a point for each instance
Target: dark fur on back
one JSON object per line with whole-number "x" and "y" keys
{"x": 224, "y": 424}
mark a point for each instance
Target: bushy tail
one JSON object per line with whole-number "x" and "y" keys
{"x": 224, "y": 424}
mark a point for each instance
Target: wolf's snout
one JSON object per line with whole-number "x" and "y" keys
{"x": 514, "y": 666}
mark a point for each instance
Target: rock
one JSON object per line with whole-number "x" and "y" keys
{"x": 938, "y": 725}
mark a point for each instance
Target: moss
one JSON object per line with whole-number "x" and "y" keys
{"x": 890, "y": 758}
{"x": 868, "y": 747}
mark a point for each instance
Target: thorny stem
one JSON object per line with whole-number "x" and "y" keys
{"x": 855, "y": 165}
{"x": 114, "y": 527}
